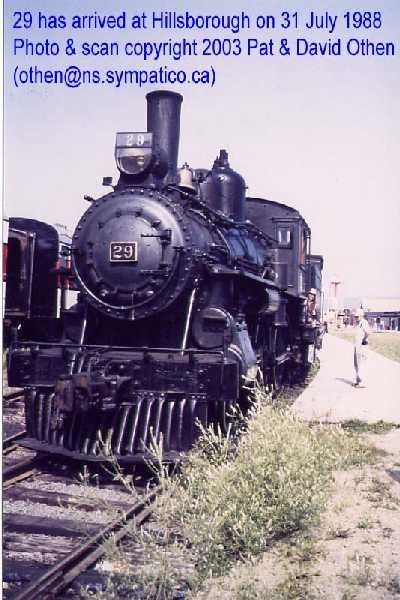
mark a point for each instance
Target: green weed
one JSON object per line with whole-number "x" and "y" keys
{"x": 234, "y": 497}
{"x": 357, "y": 426}
{"x": 365, "y": 523}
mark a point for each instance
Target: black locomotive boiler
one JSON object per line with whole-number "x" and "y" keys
{"x": 187, "y": 289}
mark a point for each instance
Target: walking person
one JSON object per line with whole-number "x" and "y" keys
{"x": 360, "y": 347}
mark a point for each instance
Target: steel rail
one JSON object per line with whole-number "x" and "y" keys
{"x": 20, "y": 471}
{"x": 13, "y": 395}
{"x": 60, "y": 575}
{"x": 11, "y": 443}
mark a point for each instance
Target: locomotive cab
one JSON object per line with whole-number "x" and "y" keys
{"x": 292, "y": 238}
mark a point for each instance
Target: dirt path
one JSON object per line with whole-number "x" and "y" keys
{"x": 357, "y": 555}
{"x": 353, "y": 554}
{"x": 331, "y": 397}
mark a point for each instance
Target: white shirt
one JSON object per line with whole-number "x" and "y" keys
{"x": 362, "y": 329}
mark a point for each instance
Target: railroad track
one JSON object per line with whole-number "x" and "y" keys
{"x": 44, "y": 516}
{"x": 63, "y": 573}
{"x": 13, "y": 418}
{"x": 11, "y": 443}
{"x": 13, "y": 396}
{"x": 23, "y": 469}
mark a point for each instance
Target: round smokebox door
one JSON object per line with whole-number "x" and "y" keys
{"x": 125, "y": 250}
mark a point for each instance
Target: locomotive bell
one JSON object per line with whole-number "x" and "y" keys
{"x": 185, "y": 178}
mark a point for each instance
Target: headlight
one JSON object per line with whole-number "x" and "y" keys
{"x": 133, "y": 152}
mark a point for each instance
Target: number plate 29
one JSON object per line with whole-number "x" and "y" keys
{"x": 123, "y": 251}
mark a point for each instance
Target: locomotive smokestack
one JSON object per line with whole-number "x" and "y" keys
{"x": 163, "y": 120}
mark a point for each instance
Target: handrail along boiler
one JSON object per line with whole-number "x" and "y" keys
{"x": 187, "y": 289}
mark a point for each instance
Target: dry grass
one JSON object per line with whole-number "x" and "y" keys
{"x": 232, "y": 501}
{"x": 234, "y": 507}
{"x": 386, "y": 343}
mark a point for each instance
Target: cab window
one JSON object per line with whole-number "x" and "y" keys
{"x": 304, "y": 245}
{"x": 284, "y": 236}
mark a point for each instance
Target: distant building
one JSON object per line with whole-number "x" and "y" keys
{"x": 382, "y": 313}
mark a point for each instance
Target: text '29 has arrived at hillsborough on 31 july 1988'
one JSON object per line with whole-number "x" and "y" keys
{"x": 151, "y": 59}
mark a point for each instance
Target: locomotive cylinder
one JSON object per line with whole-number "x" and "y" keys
{"x": 163, "y": 120}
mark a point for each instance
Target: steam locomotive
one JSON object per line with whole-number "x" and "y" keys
{"x": 187, "y": 291}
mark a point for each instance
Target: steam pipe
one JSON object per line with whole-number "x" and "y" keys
{"x": 189, "y": 316}
{"x": 163, "y": 120}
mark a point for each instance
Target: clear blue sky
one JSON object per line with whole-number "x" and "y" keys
{"x": 320, "y": 134}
